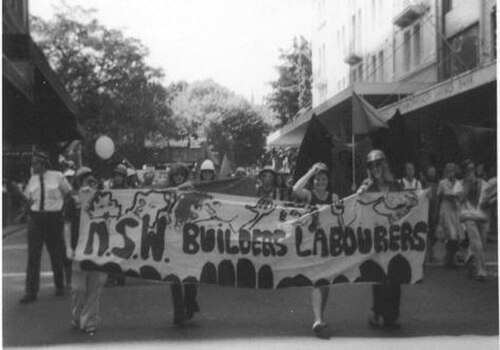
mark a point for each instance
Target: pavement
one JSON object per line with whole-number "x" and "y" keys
{"x": 446, "y": 311}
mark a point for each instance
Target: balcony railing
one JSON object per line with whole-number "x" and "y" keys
{"x": 353, "y": 57}
{"x": 410, "y": 14}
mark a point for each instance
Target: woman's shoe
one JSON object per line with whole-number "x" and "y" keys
{"x": 318, "y": 327}
{"x": 375, "y": 321}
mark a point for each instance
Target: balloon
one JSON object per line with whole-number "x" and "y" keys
{"x": 104, "y": 147}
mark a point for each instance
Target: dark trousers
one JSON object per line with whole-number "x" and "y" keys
{"x": 186, "y": 302}
{"x": 386, "y": 301}
{"x": 44, "y": 228}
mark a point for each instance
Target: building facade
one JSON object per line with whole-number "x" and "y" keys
{"x": 431, "y": 61}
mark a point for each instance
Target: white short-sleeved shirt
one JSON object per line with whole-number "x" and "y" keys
{"x": 410, "y": 185}
{"x": 55, "y": 188}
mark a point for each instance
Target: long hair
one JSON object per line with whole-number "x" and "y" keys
{"x": 387, "y": 176}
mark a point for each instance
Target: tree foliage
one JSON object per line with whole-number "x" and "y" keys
{"x": 292, "y": 91}
{"x": 116, "y": 92}
{"x": 227, "y": 121}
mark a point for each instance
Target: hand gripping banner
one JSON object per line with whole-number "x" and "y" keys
{"x": 198, "y": 237}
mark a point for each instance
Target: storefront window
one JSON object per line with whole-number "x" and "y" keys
{"x": 462, "y": 52}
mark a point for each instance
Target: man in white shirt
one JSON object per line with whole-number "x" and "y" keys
{"x": 45, "y": 193}
{"x": 409, "y": 182}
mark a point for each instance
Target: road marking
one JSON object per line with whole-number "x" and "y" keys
{"x": 23, "y": 274}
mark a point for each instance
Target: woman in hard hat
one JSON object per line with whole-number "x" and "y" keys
{"x": 185, "y": 304}
{"x": 386, "y": 297}
{"x": 268, "y": 185}
{"x": 317, "y": 193}
{"x": 207, "y": 170}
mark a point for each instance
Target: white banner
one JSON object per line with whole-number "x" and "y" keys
{"x": 197, "y": 237}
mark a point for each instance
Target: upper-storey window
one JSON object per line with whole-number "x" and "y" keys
{"x": 447, "y": 6}
{"x": 462, "y": 51}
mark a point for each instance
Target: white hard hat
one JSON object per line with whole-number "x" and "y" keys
{"x": 69, "y": 172}
{"x": 207, "y": 165}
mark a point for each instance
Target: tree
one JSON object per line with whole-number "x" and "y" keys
{"x": 292, "y": 91}
{"x": 116, "y": 92}
{"x": 240, "y": 133}
{"x": 227, "y": 121}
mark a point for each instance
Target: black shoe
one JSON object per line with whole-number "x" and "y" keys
{"x": 59, "y": 293}
{"x": 392, "y": 323}
{"x": 375, "y": 321}
{"x": 27, "y": 299}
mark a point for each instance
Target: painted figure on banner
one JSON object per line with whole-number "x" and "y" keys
{"x": 183, "y": 295}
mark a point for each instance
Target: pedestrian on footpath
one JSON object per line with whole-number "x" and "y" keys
{"x": 69, "y": 174}
{"x": 183, "y": 295}
{"x": 475, "y": 221}
{"x": 409, "y": 182}
{"x": 386, "y": 297}
{"x": 318, "y": 193}
{"x": 449, "y": 229}
{"x": 87, "y": 285}
{"x": 45, "y": 194}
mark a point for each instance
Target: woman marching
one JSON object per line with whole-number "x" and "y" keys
{"x": 386, "y": 297}
{"x": 318, "y": 194}
{"x": 87, "y": 286}
{"x": 185, "y": 304}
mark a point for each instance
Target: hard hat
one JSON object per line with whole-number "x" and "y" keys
{"x": 130, "y": 172}
{"x": 375, "y": 155}
{"x": 149, "y": 175}
{"x": 267, "y": 168}
{"x": 83, "y": 171}
{"x": 207, "y": 165}
{"x": 121, "y": 170}
{"x": 69, "y": 172}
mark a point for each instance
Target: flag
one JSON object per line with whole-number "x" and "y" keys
{"x": 315, "y": 147}
{"x": 397, "y": 142}
{"x": 225, "y": 168}
{"x": 342, "y": 161}
{"x": 365, "y": 118}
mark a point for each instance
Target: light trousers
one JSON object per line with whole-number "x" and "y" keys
{"x": 85, "y": 294}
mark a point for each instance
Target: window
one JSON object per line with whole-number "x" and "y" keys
{"x": 353, "y": 32}
{"x": 447, "y": 6}
{"x": 494, "y": 31}
{"x": 381, "y": 66}
{"x": 406, "y": 51}
{"x": 360, "y": 23}
{"x": 462, "y": 52}
{"x": 343, "y": 41}
{"x": 373, "y": 75}
{"x": 416, "y": 45}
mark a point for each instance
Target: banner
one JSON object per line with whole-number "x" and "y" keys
{"x": 199, "y": 237}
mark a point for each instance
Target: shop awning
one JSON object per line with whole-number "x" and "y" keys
{"x": 335, "y": 113}
{"x": 445, "y": 90}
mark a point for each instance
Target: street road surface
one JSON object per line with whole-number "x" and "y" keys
{"x": 446, "y": 311}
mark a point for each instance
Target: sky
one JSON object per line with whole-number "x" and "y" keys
{"x": 234, "y": 42}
